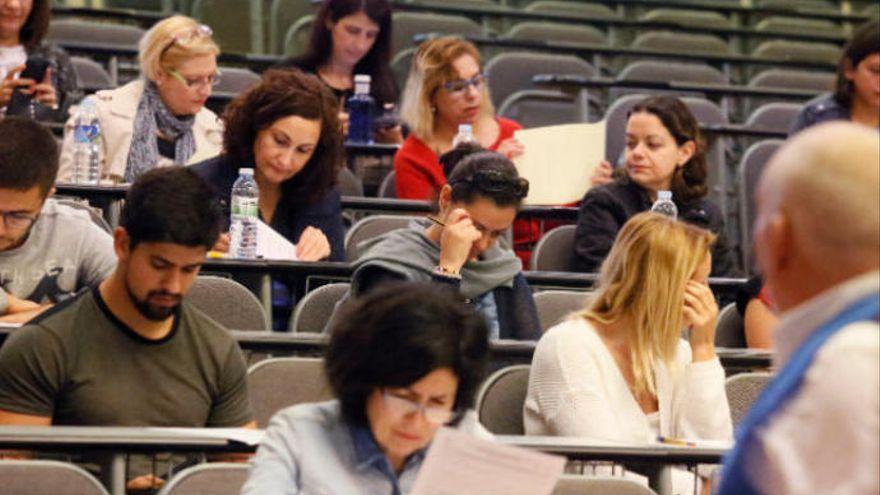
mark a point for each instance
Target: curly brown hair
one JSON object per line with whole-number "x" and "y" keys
{"x": 689, "y": 180}
{"x": 283, "y": 93}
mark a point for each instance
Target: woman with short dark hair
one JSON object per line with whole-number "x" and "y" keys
{"x": 23, "y": 24}
{"x": 664, "y": 151}
{"x": 285, "y": 128}
{"x": 856, "y": 94}
{"x": 402, "y": 362}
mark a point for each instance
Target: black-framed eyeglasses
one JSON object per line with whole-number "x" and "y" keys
{"x": 460, "y": 86}
{"x": 15, "y": 220}
{"x": 496, "y": 181}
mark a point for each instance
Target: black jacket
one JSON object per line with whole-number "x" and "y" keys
{"x": 605, "y": 209}
{"x": 290, "y": 219}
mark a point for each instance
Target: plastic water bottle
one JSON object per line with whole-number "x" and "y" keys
{"x": 665, "y": 205}
{"x": 465, "y": 135}
{"x": 244, "y": 215}
{"x": 360, "y": 111}
{"x": 86, "y": 139}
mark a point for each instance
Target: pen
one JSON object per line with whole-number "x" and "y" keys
{"x": 437, "y": 221}
{"x": 675, "y": 441}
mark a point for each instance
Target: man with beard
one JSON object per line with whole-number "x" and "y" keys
{"x": 131, "y": 351}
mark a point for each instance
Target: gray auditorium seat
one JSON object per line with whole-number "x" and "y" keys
{"x": 370, "y": 227}
{"x": 570, "y": 484}
{"x": 232, "y": 24}
{"x": 91, "y": 75}
{"x": 501, "y": 398}
{"x": 793, "y": 79}
{"x": 795, "y": 5}
{"x": 729, "y": 331}
{"x": 801, "y": 51}
{"x": 513, "y": 71}
{"x": 657, "y": 70}
{"x": 555, "y": 250}
{"x": 212, "y": 478}
{"x": 684, "y": 17}
{"x": 743, "y": 390}
{"x": 409, "y": 24}
{"x": 557, "y": 33}
{"x": 277, "y": 383}
{"x": 798, "y": 25}
{"x": 296, "y": 39}
{"x": 282, "y": 15}
{"x": 313, "y": 311}
{"x": 540, "y": 108}
{"x": 670, "y": 41}
{"x": 750, "y": 168}
{"x": 228, "y": 302}
{"x": 105, "y": 33}
{"x": 30, "y": 477}
{"x": 388, "y": 187}
{"x": 592, "y": 10}
{"x": 348, "y": 184}
{"x": 555, "y": 305}
{"x": 777, "y": 116}
{"x": 235, "y": 80}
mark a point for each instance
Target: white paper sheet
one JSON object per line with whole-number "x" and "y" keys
{"x": 460, "y": 464}
{"x": 559, "y": 160}
{"x": 247, "y": 436}
{"x": 273, "y": 246}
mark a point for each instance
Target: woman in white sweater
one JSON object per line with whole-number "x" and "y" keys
{"x": 619, "y": 370}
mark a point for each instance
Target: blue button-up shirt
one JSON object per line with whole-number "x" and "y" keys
{"x": 310, "y": 450}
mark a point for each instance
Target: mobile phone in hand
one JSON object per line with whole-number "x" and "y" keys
{"x": 20, "y": 103}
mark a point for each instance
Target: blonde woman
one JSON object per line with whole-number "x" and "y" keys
{"x": 159, "y": 119}
{"x": 619, "y": 370}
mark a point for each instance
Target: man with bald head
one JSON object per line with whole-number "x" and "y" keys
{"x": 816, "y": 427}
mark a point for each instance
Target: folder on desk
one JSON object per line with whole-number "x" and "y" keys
{"x": 559, "y": 160}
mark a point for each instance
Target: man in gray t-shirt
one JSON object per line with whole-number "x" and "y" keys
{"x": 131, "y": 352}
{"x": 48, "y": 250}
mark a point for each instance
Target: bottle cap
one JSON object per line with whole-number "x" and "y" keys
{"x": 246, "y": 171}
{"x": 664, "y": 195}
{"x": 362, "y": 78}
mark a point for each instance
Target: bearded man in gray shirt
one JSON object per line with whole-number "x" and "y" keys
{"x": 48, "y": 250}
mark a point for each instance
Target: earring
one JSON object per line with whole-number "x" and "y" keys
{"x": 433, "y": 109}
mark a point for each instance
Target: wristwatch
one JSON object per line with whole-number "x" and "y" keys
{"x": 445, "y": 272}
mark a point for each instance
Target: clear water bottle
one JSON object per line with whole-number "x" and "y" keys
{"x": 665, "y": 205}
{"x": 86, "y": 140}
{"x": 465, "y": 135}
{"x": 360, "y": 111}
{"x": 244, "y": 214}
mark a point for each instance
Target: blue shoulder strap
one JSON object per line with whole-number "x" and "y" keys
{"x": 781, "y": 389}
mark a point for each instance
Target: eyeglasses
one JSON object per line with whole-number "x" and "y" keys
{"x": 460, "y": 86}
{"x": 187, "y": 37}
{"x": 196, "y": 82}
{"x": 14, "y": 220}
{"x": 400, "y": 406}
{"x": 496, "y": 181}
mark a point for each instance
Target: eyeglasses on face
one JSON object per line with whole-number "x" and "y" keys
{"x": 196, "y": 82}
{"x": 460, "y": 86}
{"x": 496, "y": 181}
{"x": 401, "y": 406}
{"x": 14, "y": 220}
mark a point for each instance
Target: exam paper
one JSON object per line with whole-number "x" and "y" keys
{"x": 247, "y": 436}
{"x": 273, "y": 246}
{"x": 559, "y": 160}
{"x": 460, "y": 464}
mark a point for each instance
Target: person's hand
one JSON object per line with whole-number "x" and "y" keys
{"x": 45, "y": 93}
{"x": 456, "y": 240}
{"x": 145, "y": 482}
{"x": 343, "y": 123}
{"x": 511, "y": 148}
{"x": 389, "y": 135}
{"x": 313, "y": 245}
{"x": 222, "y": 244}
{"x": 18, "y": 305}
{"x": 10, "y": 83}
{"x": 700, "y": 315}
{"x": 602, "y": 174}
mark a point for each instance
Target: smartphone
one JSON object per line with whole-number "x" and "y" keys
{"x": 20, "y": 103}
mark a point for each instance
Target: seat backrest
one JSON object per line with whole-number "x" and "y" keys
{"x": 501, "y": 398}
{"x": 510, "y": 72}
{"x": 750, "y": 167}
{"x": 555, "y": 250}
{"x": 105, "y": 33}
{"x": 793, "y": 79}
{"x": 296, "y": 38}
{"x": 729, "y": 330}
{"x": 553, "y": 32}
{"x": 29, "y": 477}
{"x": 283, "y": 14}
{"x": 684, "y": 17}
{"x": 214, "y": 478}
{"x": 409, "y": 24}
{"x": 388, "y": 187}
{"x": 236, "y": 80}
{"x": 95, "y": 214}
{"x": 228, "y": 303}
{"x": 91, "y": 75}
{"x": 370, "y": 227}
{"x": 797, "y": 25}
{"x": 795, "y": 5}
{"x": 232, "y": 24}
{"x": 570, "y": 484}
{"x": 401, "y": 64}
{"x": 661, "y": 70}
{"x": 680, "y": 42}
{"x": 313, "y": 311}
{"x": 799, "y": 51}
{"x": 587, "y": 9}
{"x": 348, "y": 184}
{"x": 555, "y": 305}
{"x": 742, "y": 391}
{"x": 277, "y": 383}
{"x": 775, "y": 116}
{"x": 540, "y": 108}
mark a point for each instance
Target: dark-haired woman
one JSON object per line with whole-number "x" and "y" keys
{"x": 353, "y": 37}
{"x": 664, "y": 152}
{"x": 856, "y": 95}
{"x": 23, "y": 24}
{"x": 475, "y": 207}
{"x": 402, "y": 361}
{"x": 286, "y": 130}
